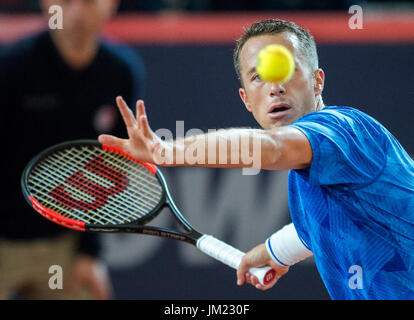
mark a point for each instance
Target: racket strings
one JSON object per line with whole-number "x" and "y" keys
{"x": 95, "y": 186}
{"x": 140, "y": 190}
{"x": 141, "y": 172}
{"x": 123, "y": 204}
{"x": 74, "y": 212}
{"x": 145, "y": 184}
{"x": 53, "y": 162}
{"x": 96, "y": 178}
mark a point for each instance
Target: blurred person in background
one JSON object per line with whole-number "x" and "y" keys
{"x": 61, "y": 84}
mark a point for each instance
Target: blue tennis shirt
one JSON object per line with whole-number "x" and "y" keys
{"x": 354, "y": 206}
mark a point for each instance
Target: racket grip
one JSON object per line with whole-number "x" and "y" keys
{"x": 232, "y": 257}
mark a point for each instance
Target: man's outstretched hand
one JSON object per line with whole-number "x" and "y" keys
{"x": 258, "y": 257}
{"x": 143, "y": 144}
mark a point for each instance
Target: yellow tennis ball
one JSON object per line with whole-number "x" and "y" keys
{"x": 275, "y": 63}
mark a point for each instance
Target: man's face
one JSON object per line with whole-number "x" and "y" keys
{"x": 82, "y": 19}
{"x": 275, "y": 104}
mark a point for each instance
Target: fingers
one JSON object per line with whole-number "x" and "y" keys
{"x": 241, "y": 277}
{"x": 145, "y": 128}
{"x": 126, "y": 113}
{"x": 254, "y": 281}
{"x": 253, "y": 258}
{"x": 140, "y": 109}
{"x": 242, "y": 272}
{"x": 266, "y": 287}
{"x": 258, "y": 257}
{"x": 112, "y": 141}
{"x": 142, "y": 120}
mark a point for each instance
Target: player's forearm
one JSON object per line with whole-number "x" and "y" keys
{"x": 230, "y": 148}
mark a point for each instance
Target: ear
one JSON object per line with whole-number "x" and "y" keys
{"x": 319, "y": 81}
{"x": 243, "y": 96}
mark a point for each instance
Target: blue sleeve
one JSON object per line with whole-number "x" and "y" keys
{"x": 348, "y": 146}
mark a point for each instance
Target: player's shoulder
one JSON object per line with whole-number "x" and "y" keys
{"x": 343, "y": 121}
{"x": 121, "y": 54}
{"x": 337, "y": 111}
{"x": 19, "y": 58}
{"x": 344, "y": 111}
{"x": 340, "y": 115}
{"x": 23, "y": 48}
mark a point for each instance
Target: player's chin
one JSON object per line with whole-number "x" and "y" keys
{"x": 278, "y": 123}
{"x": 284, "y": 121}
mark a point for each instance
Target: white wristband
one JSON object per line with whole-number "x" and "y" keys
{"x": 286, "y": 248}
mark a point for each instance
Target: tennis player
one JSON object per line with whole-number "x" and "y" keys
{"x": 351, "y": 184}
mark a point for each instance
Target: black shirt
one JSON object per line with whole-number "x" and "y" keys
{"x": 43, "y": 102}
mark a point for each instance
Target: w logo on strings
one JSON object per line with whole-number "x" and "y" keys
{"x": 99, "y": 193}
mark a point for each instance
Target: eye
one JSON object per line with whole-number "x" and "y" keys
{"x": 256, "y": 77}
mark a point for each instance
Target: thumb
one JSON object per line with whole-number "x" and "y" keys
{"x": 112, "y": 141}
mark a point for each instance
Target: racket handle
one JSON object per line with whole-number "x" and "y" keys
{"x": 231, "y": 256}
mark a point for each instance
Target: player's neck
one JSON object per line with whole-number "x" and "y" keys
{"x": 319, "y": 103}
{"x": 77, "y": 54}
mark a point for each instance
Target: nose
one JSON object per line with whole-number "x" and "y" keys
{"x": 76, "y": 8}
{"x": 276, "y": 89}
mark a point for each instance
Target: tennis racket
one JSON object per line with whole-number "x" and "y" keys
{"x": 86, "y": 186}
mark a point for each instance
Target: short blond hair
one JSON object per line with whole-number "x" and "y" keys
{"x": 275, "y": 26}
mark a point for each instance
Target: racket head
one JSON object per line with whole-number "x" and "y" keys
{"x": 84, "y": 185}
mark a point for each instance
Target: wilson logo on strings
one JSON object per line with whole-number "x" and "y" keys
{"x": 85, "y": 185}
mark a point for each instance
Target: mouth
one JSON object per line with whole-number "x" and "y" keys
{"x": 277, "y": 111}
